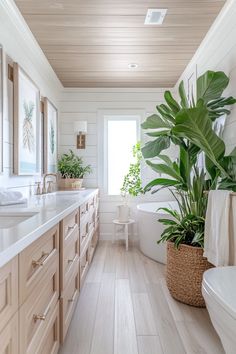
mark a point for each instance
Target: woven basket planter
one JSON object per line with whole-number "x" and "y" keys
{"x": 185, "y": 268}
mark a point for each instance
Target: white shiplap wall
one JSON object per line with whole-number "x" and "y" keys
{"x": 20, "y": 46}
{"x": 218, "y": 52}
{"x": 85, "y": 104}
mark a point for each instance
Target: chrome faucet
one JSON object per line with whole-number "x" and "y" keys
{"x": 44, "y": 189}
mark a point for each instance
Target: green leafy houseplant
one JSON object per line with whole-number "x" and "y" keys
{"x": 132, "y": 184}
{"x": 71, "y": 166}
{"x": 189, "y": 126}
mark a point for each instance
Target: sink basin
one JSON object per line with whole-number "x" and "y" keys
{"x": 10, "y": 219}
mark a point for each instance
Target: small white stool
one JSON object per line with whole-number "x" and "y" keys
{"x": 125, "y": 227}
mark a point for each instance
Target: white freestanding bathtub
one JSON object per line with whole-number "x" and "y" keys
{"x": 149, "y": 229}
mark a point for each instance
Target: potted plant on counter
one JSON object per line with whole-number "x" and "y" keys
{"x": 72, "y": 171}
{"x": 189, "y": 126}
{"x": 132, "y": 184}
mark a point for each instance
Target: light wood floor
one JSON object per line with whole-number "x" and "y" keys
{"x": 125, "y": 308}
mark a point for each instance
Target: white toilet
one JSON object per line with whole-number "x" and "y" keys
{"x": 219, "y": 291}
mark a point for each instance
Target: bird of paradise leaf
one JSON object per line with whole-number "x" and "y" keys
{"x": 28, "y": 129}
{"x": 51, "y": 137}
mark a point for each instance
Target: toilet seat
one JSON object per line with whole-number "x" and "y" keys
{"x": 220, "y": 284}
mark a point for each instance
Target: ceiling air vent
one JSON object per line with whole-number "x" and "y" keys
{"x": 155, "y": 16}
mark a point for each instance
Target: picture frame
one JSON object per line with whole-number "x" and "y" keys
{"x": 1, "y": 109}
{"x": 50, "y": 136}
{"x": 26, "y": 124}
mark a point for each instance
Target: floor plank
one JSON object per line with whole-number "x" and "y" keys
{"x": 102, "y": 342}
{"x": 145, "y": 324}
{"x": 169, "y": 336}
{"x": 125, "y": 335}
{"x": 137, "y": 275}
{"x": 149, "y": 345}
{"x": 79, "y": 336}
{"x": 111, "y": 259}
{"x": 122, "y": 271}
{"x": 96, "y": 269}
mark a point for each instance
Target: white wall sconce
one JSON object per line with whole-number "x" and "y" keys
{"x": 80, "y": 128}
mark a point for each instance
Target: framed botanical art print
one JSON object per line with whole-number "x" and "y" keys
{"x": 1, "y": 109}
{"x": 50, "y": 137}
{"x": 27, "y": 127}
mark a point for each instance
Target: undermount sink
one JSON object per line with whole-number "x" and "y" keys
{"x": 10, "y": 219}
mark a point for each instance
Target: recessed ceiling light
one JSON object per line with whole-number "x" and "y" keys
{"x": 132, "y": 66}
{"x": 155, "y": 16}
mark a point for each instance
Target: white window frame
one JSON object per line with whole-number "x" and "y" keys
{"x": 103, "y": 117}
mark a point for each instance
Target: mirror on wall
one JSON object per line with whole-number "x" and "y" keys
{"x": 1, "y": 109}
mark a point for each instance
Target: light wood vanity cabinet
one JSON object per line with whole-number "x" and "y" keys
{"x": 40, "y": 287}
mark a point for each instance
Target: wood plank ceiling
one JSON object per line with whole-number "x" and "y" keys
{"x": 90, "y": 43}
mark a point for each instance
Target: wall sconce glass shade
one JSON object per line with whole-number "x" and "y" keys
{"x": 81, "y": 126}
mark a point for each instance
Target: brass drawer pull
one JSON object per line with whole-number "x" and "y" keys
{"x": 40, "y": 261}
{"x": 84, "y": 236}
{"x": 71, "y": 227}
{"x": 71, "y": 260}
{"x": 73, "y": 298}
{"x": 41, "y": 317}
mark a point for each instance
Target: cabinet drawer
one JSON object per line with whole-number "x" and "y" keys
{"x": 68, "y": 224}
{"x": 93, "y": 245}
{"x": 83, "y": 212}
{"x": 8, "y": 291}
{"x": 84, "y": 265}
{"x": 68, "y": 303}
{"x": 96, "y": 223}
{"x": 69, "y": 257}
{"x": 9, "y": 337}
{"x": 51, "y": 342}
{"x": 36, "y": 259}
{"x": 36, "y": 312}
{"x": 84, "y": 233}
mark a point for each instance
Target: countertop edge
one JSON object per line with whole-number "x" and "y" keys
{"x": 12, "y": 251}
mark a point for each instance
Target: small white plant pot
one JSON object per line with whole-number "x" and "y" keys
{"x": 123, "y": 213}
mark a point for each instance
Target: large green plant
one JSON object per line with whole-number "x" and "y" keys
{"x": 71, "y": 166}
{"x": 189, "y": 126}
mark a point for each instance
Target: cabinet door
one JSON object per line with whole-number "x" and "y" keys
{"x": 36, "y": 312}
{"x": 84, "y": 264}
{"x": 69, "y": 257}
{"x": 8, "y": 291}
{"x": 51, "y": 341}
{"x": 35, "y": 261}
{"x": 9, "y": 337}
{"x": 68, "y": 224}
{"x": 68, "y": 302}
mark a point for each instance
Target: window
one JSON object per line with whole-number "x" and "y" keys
{"x": 121, "y": 133}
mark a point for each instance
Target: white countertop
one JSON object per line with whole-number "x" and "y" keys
{"x": 50, "y": 208}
